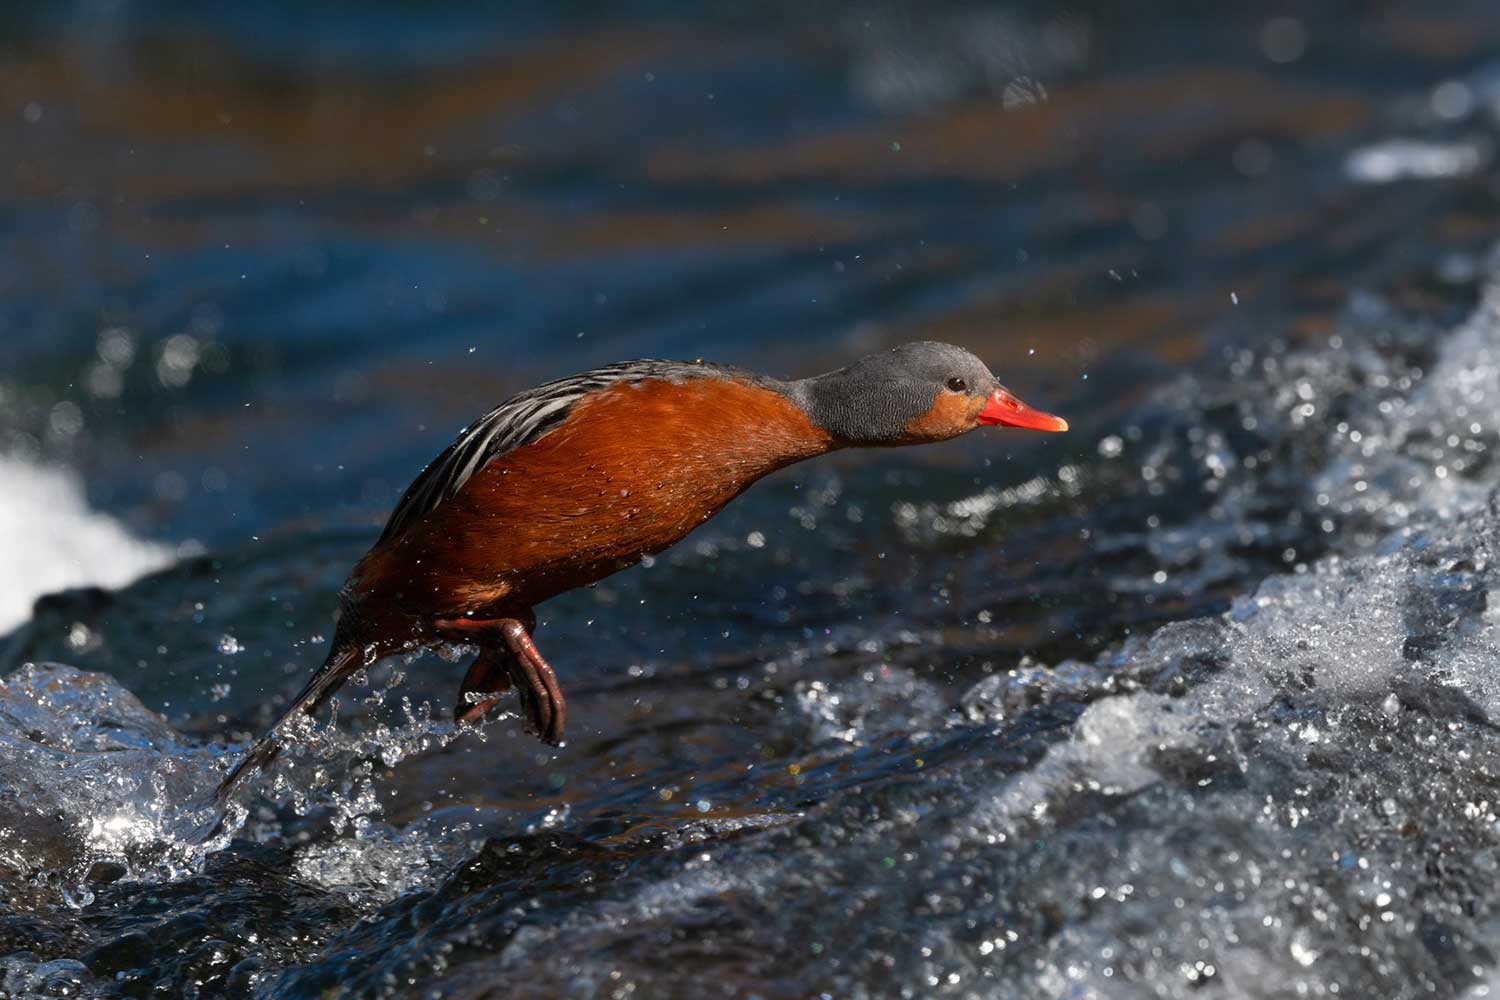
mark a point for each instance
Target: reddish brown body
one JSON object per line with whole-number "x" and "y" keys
{"x": 566, "y": 483}
{"x": 630, "y": 472}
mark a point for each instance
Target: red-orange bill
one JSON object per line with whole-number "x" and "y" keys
{"x": 1004, "y": 410}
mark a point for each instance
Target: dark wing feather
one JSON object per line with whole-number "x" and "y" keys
{"x": 524, "y": 418}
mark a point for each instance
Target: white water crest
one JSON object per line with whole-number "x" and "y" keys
{"x": 50, "y": 540}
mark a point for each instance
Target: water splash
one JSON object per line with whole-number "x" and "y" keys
{"x": 22, "y": 974}
{"x": 95, "y": 786}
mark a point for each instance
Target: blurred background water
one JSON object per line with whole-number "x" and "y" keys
{"x": 1192, "y": 700}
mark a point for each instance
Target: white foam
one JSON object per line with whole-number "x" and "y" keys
{"x": 50, "y": 540}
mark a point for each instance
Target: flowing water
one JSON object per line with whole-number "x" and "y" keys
{"x": 1195, "y": 700}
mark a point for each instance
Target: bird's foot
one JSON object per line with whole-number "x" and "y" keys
{"x": 541, "y": 695}
{"x": 536, "y": 684}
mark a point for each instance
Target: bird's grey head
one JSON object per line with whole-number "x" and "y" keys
{"x": 918, "y": 392}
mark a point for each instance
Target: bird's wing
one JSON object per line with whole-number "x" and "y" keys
{"x": 520, "y": 420}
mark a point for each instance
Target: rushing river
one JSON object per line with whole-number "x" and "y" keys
{"x": 1194, "y": 700}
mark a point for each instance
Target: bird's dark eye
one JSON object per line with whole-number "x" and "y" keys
{"x": 957, "y": 384}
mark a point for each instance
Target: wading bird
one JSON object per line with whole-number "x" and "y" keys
{"x": 564, "y": 484}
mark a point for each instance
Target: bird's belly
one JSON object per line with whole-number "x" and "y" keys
{"x": 577, "y": 540}
{"x": 512, "y": 544}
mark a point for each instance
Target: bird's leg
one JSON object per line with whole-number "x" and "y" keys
{"x": 536, "y": 684}
{"x": 489, "y": 678}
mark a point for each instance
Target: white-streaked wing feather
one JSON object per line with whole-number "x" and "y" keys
{"x": 523, "y": 419}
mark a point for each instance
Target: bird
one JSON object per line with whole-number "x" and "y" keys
{"x": 566, "y": 483}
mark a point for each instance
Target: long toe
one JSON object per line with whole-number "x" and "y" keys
{"x": 485, "y": 680}
{"x": 466, "y": 712}
{"x": 559, "y": 718}
{"x": 536, "y": 711}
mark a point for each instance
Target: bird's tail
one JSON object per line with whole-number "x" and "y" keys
{"x": 342, "y": 660}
